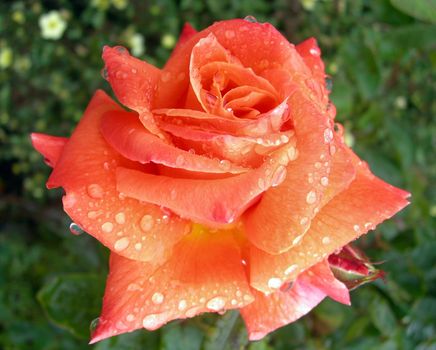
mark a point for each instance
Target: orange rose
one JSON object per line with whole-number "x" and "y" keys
{"x": 225, "y": 187}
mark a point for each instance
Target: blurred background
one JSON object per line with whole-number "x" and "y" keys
{"x": 381, "y": 56}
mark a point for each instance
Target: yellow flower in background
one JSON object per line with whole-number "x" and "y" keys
{"x": 136, "y": 43}
{"x": 6, "y": 57}
{"x": 120, "y": 4}
{"x": 52, "y": 25}
{"x": 168, "y": 41}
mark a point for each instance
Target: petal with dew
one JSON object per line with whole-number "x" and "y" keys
{"x": 281, "y": 218}
{"x": 204, "y": 274}
{"x": 86, "y": 171}
{"x": 286, "y": 305}
{"x": 367, "y": 202}
{"x": 50, "y": 147}
{"x": 210, "y": 202}
{"x": 124, "y": 132}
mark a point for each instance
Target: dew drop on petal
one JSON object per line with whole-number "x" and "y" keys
{"x": 230, "y": 34}
{"x": 182, "y": 305}
{"x": 304, "y": 220}
{"x": 324, "y": 181}
{"x": 290, "y": 269}
{"x": 151, "y": 322}
{"x": 274, "y": 282}
{"x": 95, "y": 191}
{"x": 297, "y": 240}
{"x": 356, "y": 228}
{"x": 121, "y": 244}
{"x": 120, "y": 218}
{"x": 130, "y": 318}
{"x": 157, "y": 298}
{"x": 328, "y": 135}
{"x": 216, "y": 303}
{"x": 76, "y": 229}
{"x": 292, "y": 153}
{"x": 250, "y": 19}
{"x": 94, "y": 324}
{"x": 311, "y": 197}
{"x": 138, "y": 246}
{"x": 279, "y": 176}
{"x": 146, "y": 223}
{"x": 326, "y": 240}
{"x": 107, "y": 227}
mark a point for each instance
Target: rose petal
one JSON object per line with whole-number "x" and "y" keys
{"x": 367, "y": 202}
{"x": 311, "y": 54}
{"x": 268, "y": 313}
{"x": 134, "y": 83}
{"x": 241, "y": 150}
{"x": 126, "y": 135}
{"x": 268, "y": 49}
{"x": 86, "y": 170}
{"x": 211, "y": 202}
{"x": 204, "y": 274}
{"x": 49, "y": 146}
{"x": 281, "y": 218}
{"x": 264, "y": 124}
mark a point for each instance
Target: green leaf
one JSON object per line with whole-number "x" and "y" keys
{"x": 420, "y": 9}
{"x": 382, "y": 316}
{"x": 218, "y": 339}
{"x": 72, "y": 301}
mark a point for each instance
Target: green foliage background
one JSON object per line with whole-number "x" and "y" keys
{"x": 381, "y": 56}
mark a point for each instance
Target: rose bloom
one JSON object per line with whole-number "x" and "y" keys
{"x": 222, "y": 184}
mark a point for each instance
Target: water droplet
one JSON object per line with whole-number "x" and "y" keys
{"x": 328, "y": 135}
{"x": 284, "y": 139}
{"x": 318, "y": 165}
{"x": 225, "y": 164}
{"x": 332, "y": 149}
{"x": 329, "y": 83}
{"x": 104, "y": 73}
{"x": 146, "y": 223}
{"x": 230, "y": 34}
{"x": 304, "y": 220}
{"x": 180, "y": 160}
{"x": 76, "y": 229}
{"x": 290, "y": 269}
{"x": 133, "y": 287}
{"x": 261, "y": 184}
{"x": 94, "y": 324}
{"x": 356, "y": 228}
{"x": 279, "y": 176}
{"x": 311, "y": 197}
{"x": 121, "y": 50}
{"x": 297, "y": 239}
{"x": 250, "y": 19}
{"x": 121, "y": 244}
{"x": 324, "y": 181}
{"x": 120, "y": 218}
{"x": 216, "y": 303}
{"x": 93, "y": 214}
{"x": 315, "y": 51}
{"x": 326, "y": 240}
{"x": 274, "y": 283}
{"x": 152, "y": 322}
{"x": 107, "y": 227}
{"x": 95, "y": 191}
{"x": 166, "y": 76}
{"x": 182, "y": 305}
{"x": 130, "y": 317}
{"x": 138, "y": 246}
{"x": 157, "y": 298}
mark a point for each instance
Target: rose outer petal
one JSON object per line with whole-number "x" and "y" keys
{"x": 123, "y": 131}
{"x": 268, "y": 313}
{"x": 311, "y": 54}
{"x": 283, "y": 215}
{"x": 204, "y": 274}
{"x": 86, "y": 171}
{"x": 210, "y": 202}
{"x": 187, "y": 32}
{"x": 367, "y": 202}
{"x": 49, "y": 146}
